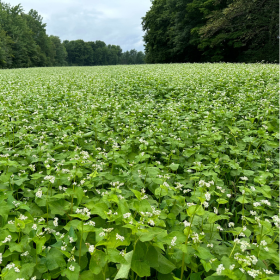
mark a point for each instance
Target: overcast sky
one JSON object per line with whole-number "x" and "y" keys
{"x": 115, "y": 22}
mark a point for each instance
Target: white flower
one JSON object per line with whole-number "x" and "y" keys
{"x": 244, "y": 245}
{"x": 267, "y": 271}
{"x": 55, "y": 223}
{"x": 216, "y": 210}
{"x": 121, "y": 238}
{"x": 244, "y": 178}
{"x": 63, "y": 248}
{"x": 220, "y": 268}
{"x": 205, "y": 204}
{"x": 232, "y": 267}
{"x": 151, "y": 223}
{"x": 71, "y": 267}
{"x": 91, "y": 248}
{"x": 17, "y": 269}
{"x": 122, "y": 253}
{"x": 126, "y": 215}
{"x": 219, "y": 228}
{"x": 276, "y": 220}
{"x": 50, "y": 178}
{"x": 256, "y": 204}
{"x": 90, "y": 223}
{"x": 210, "y": 245}
{"x": 254, "y": 259}
{"x": 10, "y": 265}
{"x": 173, "y": 241}
{"x": 39, "y": 193}
{"x": 25, "y": 254}
{"x": 22, "y": 217}
{"x": 207, "y": 196}
{"x": 263, "y": 243}
{"x": 72, "y": 258}
{"x": 34, "y": 227}
{"x": 266, "y": 202}
{"x": 186, "y": 224}
{"x": 253, "y": 273}
{"x": 7, "y": 239}
{"x": 1, "y": 258}
{"x": 195, "y": 238}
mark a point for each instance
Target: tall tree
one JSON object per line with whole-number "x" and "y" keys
{"x": 5, "y": 49}
{"x": 157, "y": 23}
{"x": 250, "y": 28}
{"x": 211, "y": 30}
{"x": 59, "y": 50}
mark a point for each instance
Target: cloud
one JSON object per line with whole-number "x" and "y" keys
{"x": 115, "y": 22}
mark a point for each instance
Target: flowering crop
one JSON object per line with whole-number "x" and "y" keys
{"x": 139, "y": 172}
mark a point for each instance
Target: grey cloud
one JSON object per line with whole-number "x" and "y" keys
{"x": 115, "y": 22}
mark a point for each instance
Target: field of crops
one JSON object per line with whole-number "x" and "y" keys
{"x": 148, "y": 172}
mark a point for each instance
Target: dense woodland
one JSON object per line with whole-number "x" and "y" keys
{"x": 212, "y": 30}
{"x": 175, "y": 31}
{"x": 25, "y": 43}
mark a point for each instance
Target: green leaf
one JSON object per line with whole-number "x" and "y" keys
{"x": 174, "y": 167}
{"x": 114, "y": 256}
{"x": 138, "y": 263}
{"x": 212, "y": 217}
{"x": 204, "y": 253}
{"x": 99, "y": 209}
{"x": 97, "y": 261}
{"x": 195, "y": 209}
{"x": 54, "y": 259}
{"x": 165, "y": 266}
{"x": 196, "y": 276}
{"x": 125, "y": 268}
{"x": 242, "y": 199}
{"x": 222, "y": 201}
{"x": 71, "y": 275}
{"x": 59, "y": 207}
{"x": 206, "y": 265}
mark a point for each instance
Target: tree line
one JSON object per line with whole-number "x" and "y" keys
{"x": 25, "y": 43}
{"x": 212, "y": 30}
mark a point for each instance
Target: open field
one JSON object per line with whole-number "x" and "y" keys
{"x": 139, "y": 172}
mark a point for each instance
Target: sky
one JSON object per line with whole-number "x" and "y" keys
{"x": 116, "y": 22}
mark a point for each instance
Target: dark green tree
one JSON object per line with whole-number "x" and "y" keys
{"x": 249, "y": 29}
{"x": 60, "y": 51}
{"x": 5, "y": 50}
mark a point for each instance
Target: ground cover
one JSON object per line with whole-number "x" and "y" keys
{"x": 139, "y": 172}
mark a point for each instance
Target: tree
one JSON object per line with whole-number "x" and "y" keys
{"x": 157, "y": 23}
{"x": 60, "y": 51}
{"x": 249, "y": 27}
{"x": 211, "y": 30}
{"x": 5, "y": 49}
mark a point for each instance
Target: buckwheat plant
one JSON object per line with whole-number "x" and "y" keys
{"x": 140, "y": 172}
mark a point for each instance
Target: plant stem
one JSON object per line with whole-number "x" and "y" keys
{"x": 183, "y": 259}
{"x": 80, "y": 249}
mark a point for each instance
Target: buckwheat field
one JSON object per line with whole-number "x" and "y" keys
{"x": 165, "y": 172}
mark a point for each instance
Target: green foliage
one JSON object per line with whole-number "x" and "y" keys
{"x": 24, "y": 43}
{"x": 207, "y": 30}
{"x": 132, "y": 172}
